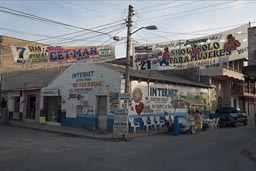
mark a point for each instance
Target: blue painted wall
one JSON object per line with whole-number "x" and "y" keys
{"x": 90, "y": 121}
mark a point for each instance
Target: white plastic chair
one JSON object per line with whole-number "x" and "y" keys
{"x": 146, "y": 123}
{"x": 160, "y": 122}
{"x": 153, "y": 121}
{"x": 212, "y": 123}
{"x": 134, "y": 125}
{"x": 216, "y": 123}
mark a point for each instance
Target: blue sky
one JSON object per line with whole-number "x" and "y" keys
{"x": 175, "y": 20}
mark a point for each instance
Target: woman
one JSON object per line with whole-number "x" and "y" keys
{"x": 197, "y": 122}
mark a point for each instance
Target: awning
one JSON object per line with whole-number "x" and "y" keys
{"x": 195, "y": 102}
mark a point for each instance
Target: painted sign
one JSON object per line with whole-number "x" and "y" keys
{"x": 125, "y": 96}
{"x": 120, "y": 122}
{"x": 160, "y": 98}
{"x": 51, "y": 92}
{"x": 222, "y": 47}
{"x": 29, "y": 54}
{"x": 35, "y": 53}
{"x": 113, "y": 101}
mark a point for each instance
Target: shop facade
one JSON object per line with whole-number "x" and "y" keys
{"x": 87, "y": 95}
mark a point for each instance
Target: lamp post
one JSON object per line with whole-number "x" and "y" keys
{"x": 128, "y": 47}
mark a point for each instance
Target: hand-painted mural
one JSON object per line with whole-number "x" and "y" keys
{"x": 222, "y": 47}
{"x": 32, "y": 54}
{"x": 160, "y": 98}
{"x": 29, "y": 54}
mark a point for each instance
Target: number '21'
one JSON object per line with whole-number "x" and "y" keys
{"x": 145, "y": 65}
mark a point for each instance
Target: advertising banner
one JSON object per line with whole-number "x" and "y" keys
{"x": 212, "y": 49}
{"x": 35, "y": 53}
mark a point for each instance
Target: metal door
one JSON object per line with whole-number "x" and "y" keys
{"x": 102, "y": 112}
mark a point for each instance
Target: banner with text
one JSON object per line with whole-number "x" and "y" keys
{"x": 34, "y": 53}
{"x": 212, "y": 49}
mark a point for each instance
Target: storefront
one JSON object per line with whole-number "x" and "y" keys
{"x": 87, "y": 95}
{"x": 32, "y": 105}
{"x": 51, "y": 106}
{"x": 82, "y": 96}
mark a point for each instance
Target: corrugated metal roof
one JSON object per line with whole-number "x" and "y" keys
{"x": 30, "y": 79}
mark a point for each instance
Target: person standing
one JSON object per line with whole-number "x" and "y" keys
{"x": 4, "y": 111}
{"x": 255, "y": 119}
{"x": 197, "y": 122}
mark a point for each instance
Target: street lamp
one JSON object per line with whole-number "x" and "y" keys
{"x": 128, "y": 47}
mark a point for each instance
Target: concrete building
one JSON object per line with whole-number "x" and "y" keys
{"x": 87, "y": 94}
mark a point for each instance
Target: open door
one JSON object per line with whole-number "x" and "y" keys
{"x": 102, "y": 112}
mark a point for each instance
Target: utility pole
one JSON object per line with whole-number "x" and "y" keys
{"x": 128, "y": 49}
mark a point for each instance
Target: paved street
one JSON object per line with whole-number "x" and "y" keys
{"x": 223, "y": 149}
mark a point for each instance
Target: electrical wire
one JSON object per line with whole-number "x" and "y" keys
{"x": 109, "y": 5}
{"x": 84, "y": 9}
{"x": 161, "y": 9}
{"x": 110, "y": 25}
{"x": 153, "y": 6}
{"x": 26, "y": 15}
{"x": 203, "y": 11}
{"x": 181, "y": 12}
{"x": 82, "y": 38}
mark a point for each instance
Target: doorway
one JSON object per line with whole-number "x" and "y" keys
{"x": 102, "y": 112}
{"x": 31, "y": 107}
{"x": 52, "y": 108}
{"x": 16, "y": 111}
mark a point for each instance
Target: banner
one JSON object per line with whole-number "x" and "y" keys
{"x": 222, "y": 47}
{"x": 35, "y": 53}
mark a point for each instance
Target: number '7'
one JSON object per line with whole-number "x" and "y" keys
{"x": 21, "y": 53}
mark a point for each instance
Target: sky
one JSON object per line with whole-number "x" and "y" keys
{"x": 96, "y": 22}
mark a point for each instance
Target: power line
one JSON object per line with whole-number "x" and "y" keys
{"x": 22, "y": 14}
{"x": 93, "y": 34}
{"x": 196, "y": 32}
{"x": 84, "y": 9}
{"x": 149, "y": 11}
{"x": 83, "y": 38}
{"x": 167, "y": 15}
{"x": 110, "y": 25}
{"x": 110, "y": 5}
{"x": 150, "y": 7}
{"x": 203, "y": 11}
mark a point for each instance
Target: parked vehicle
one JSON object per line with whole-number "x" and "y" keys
{"x": 187, "y": 124}
{"x": 230, "y": 116}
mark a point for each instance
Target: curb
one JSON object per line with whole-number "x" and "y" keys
{"x": 64, "y": 133}
{"x": 70, "y": 134}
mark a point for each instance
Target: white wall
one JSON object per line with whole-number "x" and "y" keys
{"x": 158, "y": 97}
{"x": 80, "y": 83}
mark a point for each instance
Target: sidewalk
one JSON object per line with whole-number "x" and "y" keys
{"x": 79, "y": 132}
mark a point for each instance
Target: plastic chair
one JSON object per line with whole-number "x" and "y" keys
{"x": 212, "y": 123}
{"x": 160, "y": 122}
{"x": 153, "y": 121}
{"x": 216, "y": 123}
{"x": 134, "y": 125}
{"x": 146, "y": 123}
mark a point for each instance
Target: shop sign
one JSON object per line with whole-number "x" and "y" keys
{"x": 120, "y": 122}
{"x": 51, "y": 92}
{"x": 227, "y": 46}
{"x": 124, "y": 96}
{"x": 39, "y": 53}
